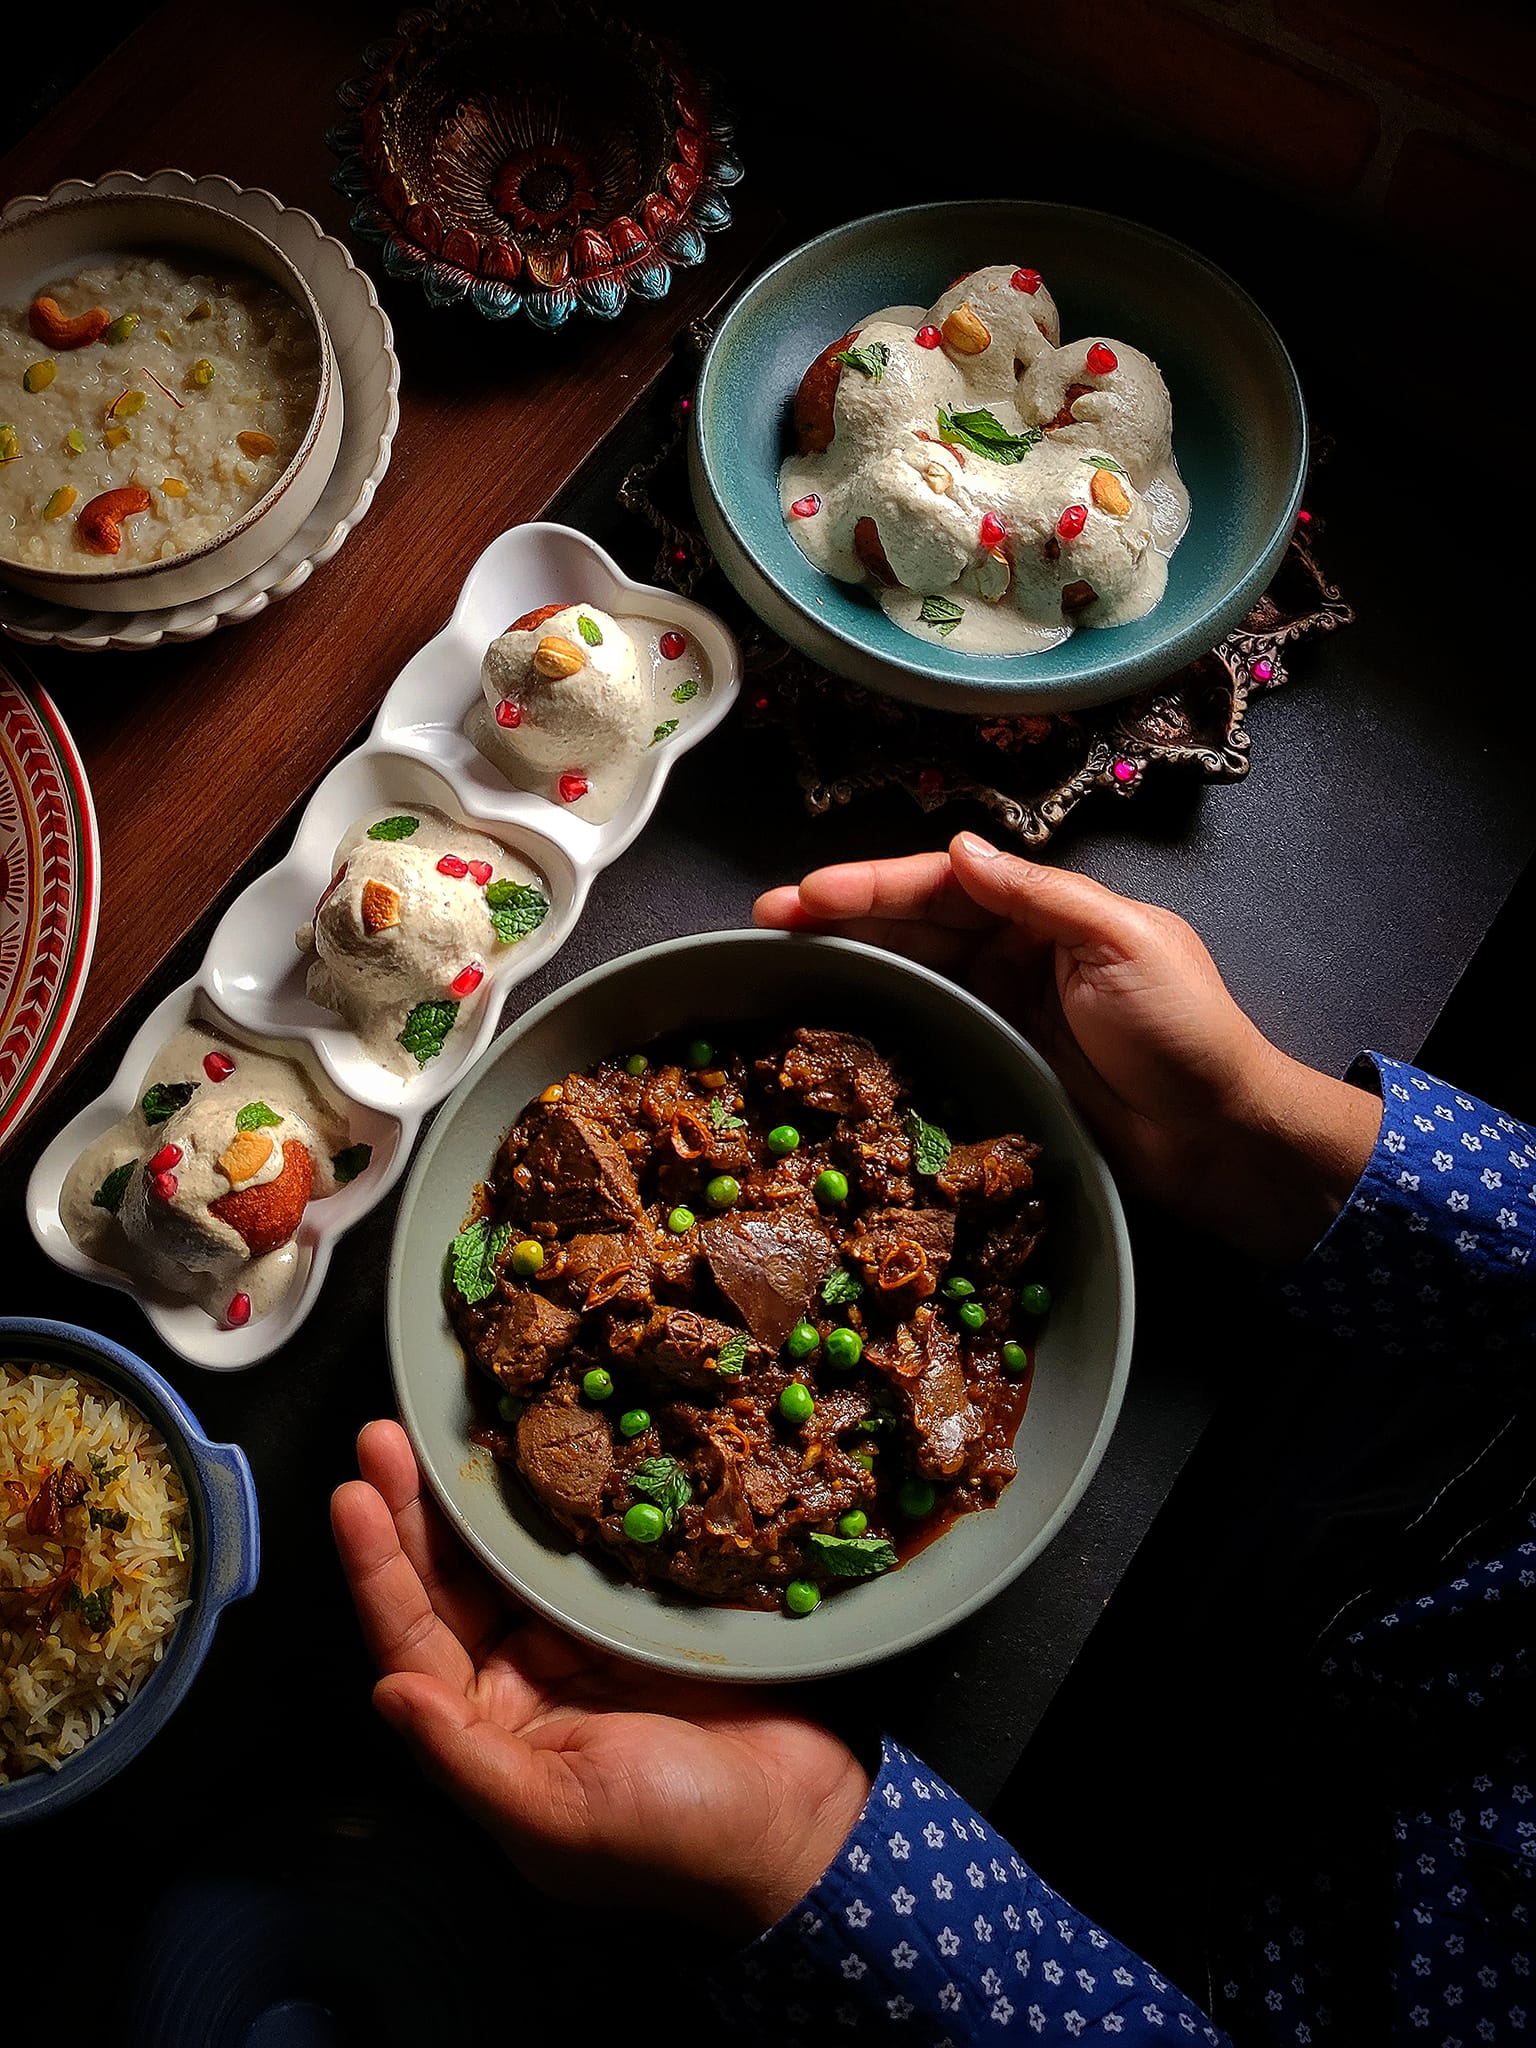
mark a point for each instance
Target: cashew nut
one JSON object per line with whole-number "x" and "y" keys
{"x": 57, "y": 329}
{"x": 100, "y": 525}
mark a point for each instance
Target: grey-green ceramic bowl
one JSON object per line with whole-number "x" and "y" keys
{"x": 757, "y": 979}
{"x": 1239, "y": 435}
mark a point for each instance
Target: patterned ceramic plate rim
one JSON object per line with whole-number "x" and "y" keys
{"x": 340, "y": 286}
{"x": 41, "y": 773}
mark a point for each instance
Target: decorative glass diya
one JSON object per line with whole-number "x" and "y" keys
{"x": 537, "y": 158}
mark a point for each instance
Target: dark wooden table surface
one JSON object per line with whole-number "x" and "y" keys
{"x": 1343, "y": 888}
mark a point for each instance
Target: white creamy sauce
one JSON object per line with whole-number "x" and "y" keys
{"x": 394, "y": 930}
{"x": 581, "y": 738}
{"x": 176, "y": 1246}
{"x": 963, "y": 532}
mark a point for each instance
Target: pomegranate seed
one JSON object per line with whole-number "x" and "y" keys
{"x": 1072, "y": 521}
{"x": 759, "y": 703}
{"x": 239, "y": 1311}
{"x": 573, "y": 788}
{"x": 466, "y": 983}
{"x": 806, "y": 508}
{"x": 167, "y": 1157}
{"x": 1026, "y": 281}
{"x": 673, "y": 645}
{"x": 679, "y": 554}
{"x": 164, "y": 1185}
{"x": 508, "y": 713}
{"x": 450, "y": 864}
{"x": 993, "y": 531}
{"x": 482, "y": 871}
{"x": 1102, "y": 360}
{"x": 325, "y": 895}
{"x": 927, "y": 337}
{"x": 218, "y": 1066}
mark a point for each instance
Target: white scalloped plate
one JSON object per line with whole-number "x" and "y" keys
{"x": 251, "y": 981}
{"x": 370, "y": 380}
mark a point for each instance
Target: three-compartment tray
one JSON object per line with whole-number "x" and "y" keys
{"x": 250, "y": 986}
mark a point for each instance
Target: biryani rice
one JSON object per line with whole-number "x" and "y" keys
{"x": 61, "y": 1679}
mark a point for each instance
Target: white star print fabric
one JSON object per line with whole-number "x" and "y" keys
{"x": 929, "y": 1928}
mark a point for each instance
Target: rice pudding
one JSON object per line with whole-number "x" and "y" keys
{"x": 145, "y": 408}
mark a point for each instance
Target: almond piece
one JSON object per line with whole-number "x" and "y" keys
{"x": 557, "y": 658}
{"x": 381, "y": 906}
{"x": 966, "y": 332}
{"x": 245, "y": 1156}
{"x": 1109, "y": 494}
{"x": 937, "y": 478}
{"x": 994, "y": 575}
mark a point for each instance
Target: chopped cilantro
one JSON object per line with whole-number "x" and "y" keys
{"x": 255, "y": 1117}
{"x": 104, "y": 1518}
{"x": 984, "y": 434}
{"x": 850, "y": 1557}
{"x": 721, "y": 1117}
{"x": 733, "y": 1354}
{"x": 871, "y": 360}
{"x": 162, "y": 1099}
{"x": 516, "y": 910}
{"x": 349, "y": 1164}
{"x": 839, "y": 1288}
{"x": 426, "y": 1028}
{"x": 941, "y": 612}
{"x": 110, "y": 1194}
{"x": 685, "y": 692}
{"x": 94, "y": 1609}
{"x": 664, "y": 1483}
{"x": 589, "y": 630}
{"x": 930, "y": 1145}
{"x": 102, "y": 1473}
{"x": 664, "y": 731}
{"x": 474, "y": 1253}
{"x": 394, "y": 828}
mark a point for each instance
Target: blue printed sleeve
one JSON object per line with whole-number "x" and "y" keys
{"x": 929, "y": 1929}
{"x": 1431, "y": 1255}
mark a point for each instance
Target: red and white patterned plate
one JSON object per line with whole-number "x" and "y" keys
{"x": 50, "y": 888}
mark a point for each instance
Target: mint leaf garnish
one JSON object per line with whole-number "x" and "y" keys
{"x": 664, "y": 1483}
{"x": 941, "y": 612}
{"x": 162, "y": 1099}
{"x": 721, "y": 1117}
{"x": 516, "y": 910}
{"x": 984, "y": 434}
{"x": 589, "y": 630}
{"x": 685, "y": 692}
{"x": 94, "y": 1609}
{"x": 349, "y": 1164}
{"x": 850, "y": 1557}
{"x": 871, "y": 360}
{"x": 1103, "y": 462}
{"x": 839, "y": 1288}
{"x": 110, "y": 1194}
{"x": 394, "y": 828}
{"x": 108, "y": 1518}
{"x": 733, "y": 1354}
{"x": 930, "y": 1145}
{"x": 255, "y": 1117}
{"x": 474, "y": 1253}
{"x": 664, "y": 731}
{"x": 426, "y": 1028}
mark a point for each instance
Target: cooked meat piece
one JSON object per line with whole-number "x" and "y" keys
{"x": 599, "y": 1267}
{"x": 610, "y": 1095}
{"x": 524, "y": 1337}
{"x": 565, "y": 1452}
{"x": 768, "y": 1265}
{"x": 995, "y": 1170}
{"x": 580, "y": 1179}
{"x": 1008, "y": 1247}
{"x": 902, "y": 1254}
{"x": 678, "y": 1343}
{"x": 923, "y": 1364}
{"x": 726, "y": 1572}
{"x": 767, "y": 1486}
{"x": 727, "y": 1510}
{"x": 840, "y": 1072}
{"x": 880, "y": 1155}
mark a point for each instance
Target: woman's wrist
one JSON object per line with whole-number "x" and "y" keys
{"x": 1304, "y": 1141}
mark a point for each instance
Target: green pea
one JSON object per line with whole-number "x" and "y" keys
{"x": 801, "y": 1597}
{"x": 597, "y": 1384}
{"x": 866, "y": 1459}
{"x": 832, "y": 1187}
{"x": 958, "y": 1288}
{"x": 782, "y": 1140}
{"x": 802, "y": 1340}
{"x": 973, "y": 1315}
{"x": 844, "y": 1348}
{"x": 644, "y": 1524}
{"x": 634, "y": 1422}
{"x": 722, "y": 1191}
{"x": 1035, "y": 1299}
{"x": 797, "y": 1403}
{"x": 680, "y": 1220}
{"x": 636, "y": 1064}
{"x": 915, "y": 1498}
{"x": 526, "y": 1258}
{"x": 701, "y": 1053}
{"x": 510, "y": 1406}
{"x": 1015, "y": 1359}
{"x": 854, "y": 1523}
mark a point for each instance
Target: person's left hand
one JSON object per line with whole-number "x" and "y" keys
{"x": 603, "y": 1780}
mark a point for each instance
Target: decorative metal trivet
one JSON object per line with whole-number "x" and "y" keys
{"x": 1030, "y": 772}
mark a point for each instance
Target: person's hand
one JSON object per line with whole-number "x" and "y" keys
{"x": 604, "y": 1780}
{"x": 1189, "y": 1099}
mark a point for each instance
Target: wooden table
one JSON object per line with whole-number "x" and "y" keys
{"x": 1343, "y": 887}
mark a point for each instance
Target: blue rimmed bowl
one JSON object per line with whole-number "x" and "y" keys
{"x": 1239, "y": 436}
{"x": 226, "y": 1552}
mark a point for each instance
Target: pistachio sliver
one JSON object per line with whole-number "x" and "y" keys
{"x": 38, "y": 376}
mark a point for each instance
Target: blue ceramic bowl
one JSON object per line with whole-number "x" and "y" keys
{"x": 225, "y": 1555}
{"x": 1239, "y": 435}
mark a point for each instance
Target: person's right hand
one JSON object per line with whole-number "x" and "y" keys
{"x": 1189, "y": 1099}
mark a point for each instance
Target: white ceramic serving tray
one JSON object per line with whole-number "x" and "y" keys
{"x": 251, "y": 981}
